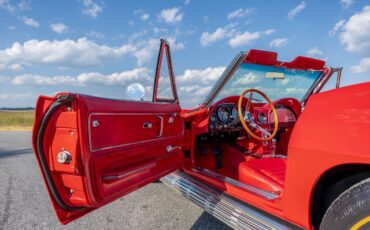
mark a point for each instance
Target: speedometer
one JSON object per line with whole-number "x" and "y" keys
{"x": 223, "y": 114}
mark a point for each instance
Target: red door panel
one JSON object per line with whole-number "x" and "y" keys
{"x": 114, "y": 147}
{"x": 104, "y": 128}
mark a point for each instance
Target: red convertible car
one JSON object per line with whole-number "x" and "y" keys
{"x": 269, "y": 148}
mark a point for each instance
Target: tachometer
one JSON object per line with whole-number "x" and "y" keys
{"x": 223, "y": 114}
{"x": 235, "y": 114}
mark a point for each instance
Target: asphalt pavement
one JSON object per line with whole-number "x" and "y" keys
{"x": 24, "y": 203}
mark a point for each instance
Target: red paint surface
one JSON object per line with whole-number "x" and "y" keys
{"x": 332, "y": 130}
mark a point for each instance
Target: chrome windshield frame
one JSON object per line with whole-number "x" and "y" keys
{"x": 224, "y": 78}
{"x": 234, "y": 65}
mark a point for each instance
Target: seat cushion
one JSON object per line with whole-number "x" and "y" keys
{"x": 265, "y": 173}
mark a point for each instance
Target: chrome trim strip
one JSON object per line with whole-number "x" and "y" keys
{"x": 126, "y": 174}
{"x": 229, "y": 71}
{"x": 161, "y": 128}
{"x": 256, "y": 191}
{"x": 231, "y": 211}
{"x": 127, "y": 144}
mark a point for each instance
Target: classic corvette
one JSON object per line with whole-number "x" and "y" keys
{"x": 273, "y": 146}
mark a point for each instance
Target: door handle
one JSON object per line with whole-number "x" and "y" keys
{"x": 171, "y": 148}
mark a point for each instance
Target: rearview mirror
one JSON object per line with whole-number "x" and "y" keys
{"x": 135, "y": 92}
{"x": 275, "y": 75}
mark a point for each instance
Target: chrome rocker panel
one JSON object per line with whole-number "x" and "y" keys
{"x": 232, "y": 212}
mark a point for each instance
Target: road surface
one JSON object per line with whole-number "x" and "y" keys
{"x": 24, "y": 203}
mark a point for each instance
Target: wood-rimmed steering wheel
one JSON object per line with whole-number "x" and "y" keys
{"x": 249, "y": 123}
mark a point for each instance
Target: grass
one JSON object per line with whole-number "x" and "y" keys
{"x": 16, "y": 120}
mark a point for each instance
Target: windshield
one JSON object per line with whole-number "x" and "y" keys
{"x": 295, "y": 83}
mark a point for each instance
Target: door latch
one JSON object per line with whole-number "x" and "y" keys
{"x": 64, "y": 157}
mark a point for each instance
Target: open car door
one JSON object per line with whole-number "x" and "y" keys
{"x": 92, "y": 151}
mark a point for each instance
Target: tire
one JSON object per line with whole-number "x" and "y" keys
{"x": 350, "y": 210}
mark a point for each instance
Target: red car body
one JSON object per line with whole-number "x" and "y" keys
{"x": 111, "y": 152}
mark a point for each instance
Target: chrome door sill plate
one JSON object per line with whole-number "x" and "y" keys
{"x": 256, "y": 191}
{"x": 232, "y": 212}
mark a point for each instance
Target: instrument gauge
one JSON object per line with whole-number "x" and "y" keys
{"x": 223, "y": 114}
{"x": 248, "y": 117}
{"x": 213, "y": 118}
{"x": 235, "y": 113}
{"x": 262, "y": 118}
{"x": 218, "y": 125}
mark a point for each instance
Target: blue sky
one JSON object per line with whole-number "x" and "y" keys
{"x": 99, "y": 47}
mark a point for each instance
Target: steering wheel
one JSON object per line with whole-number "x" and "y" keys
{"x": 247, "y": 123}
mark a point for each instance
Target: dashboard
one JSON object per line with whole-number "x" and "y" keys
{"x": 224, "y": 115}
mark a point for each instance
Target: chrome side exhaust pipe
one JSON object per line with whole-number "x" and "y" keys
{"x": 233, "y": 213}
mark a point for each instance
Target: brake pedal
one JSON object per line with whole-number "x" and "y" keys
{"x": 218, "y": 156}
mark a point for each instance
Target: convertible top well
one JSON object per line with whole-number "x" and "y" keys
{"x": 269, "y": 58}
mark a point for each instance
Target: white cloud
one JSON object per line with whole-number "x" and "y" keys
{"x": 15, "y": 67}
{"x": 91, "y": 8}
{"x": 65, "y": 53}
{"x": 268, "y": 32}
{"x": 314, "y": 52}
{"x": 220, "y": 33}
{"x": 293, "y": 12}
{"x": 356, "y": 32}
{"x": 95, "y": 34}
{"x": 29, "y": 21}
{"x": 8, "y": 6}
{"x": 239, "y": 13}
{"x": 142, "y": 14}
{"x": 23, "y": 5}
{"x": 4, "y": 79}
{"x": 207, "y": 38}
{"x": 247, "y": 37}
{"x": 194, "y": 84}
{"x": 14, "y": 96}
{"x": 171, "y": 15}
{"x": 59, "y": 28}
{"x": 203, "y": 76}
{"x": 146, "y": 49}
{"x": 362, "y": 67}
{"x": 12, "y": 28}
{"x": 347, "y": 3}
{"x": 337, "y": 27}
{"x": 186, "y": 2}
{"x": 295, "y": 90}
{"x": 145, "y": 17}
{"x": 78, "y": 53}
{"x": 278, "y": 42}
{"x": 249, "y": 78}
{"x": 175, "y": 45}
{"x": 30, "y": 79}
{"x": 84, "y": 79}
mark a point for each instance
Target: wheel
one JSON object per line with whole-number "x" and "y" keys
{"x": 351, "y": 210}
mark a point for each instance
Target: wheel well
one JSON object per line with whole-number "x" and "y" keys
{"x": 333, "y": 183}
